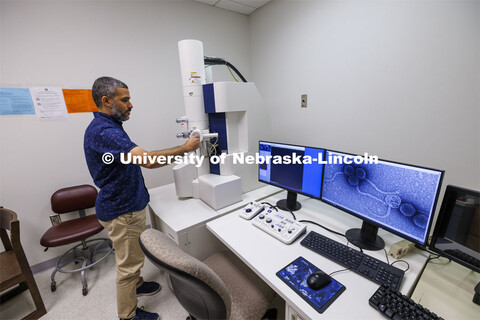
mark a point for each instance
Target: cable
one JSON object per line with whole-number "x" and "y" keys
{"x": 271, "y": 206}
{"x": 212, "y": 61}
{"x": 438, "y": 256}
{"x": 236, "y": 71}
{"x": 435, "y": 254}
{"x": 213, "y": 147}
{"x": 431, "y": 252}
{"x": 386, "y": 255}
{"x": 348, "y": 269}
{"x": 408, "y": 266}
{"x": 232, "y": 74}
{"x": 332, "y": 231}
{"x": 286, "y": 209}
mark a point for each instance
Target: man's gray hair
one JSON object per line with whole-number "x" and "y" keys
{"x": 105, "y": 86}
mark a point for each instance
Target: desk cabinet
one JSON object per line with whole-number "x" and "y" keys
{"x": 184, "y": 220}
{"x": 197, "y": 241}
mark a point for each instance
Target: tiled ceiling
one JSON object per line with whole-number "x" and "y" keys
{"x": 241, "y": 6}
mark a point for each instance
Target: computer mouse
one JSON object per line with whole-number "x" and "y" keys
{"x": 318, "y": 280}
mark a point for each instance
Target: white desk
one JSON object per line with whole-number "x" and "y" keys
{"x": 447, "y": 289}
{"x": 265, "y": 255}
{"x": 184, "y": 219}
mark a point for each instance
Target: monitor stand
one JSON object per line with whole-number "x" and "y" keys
{"x": 366, "y": 237}
{"x": 290, "y": 203}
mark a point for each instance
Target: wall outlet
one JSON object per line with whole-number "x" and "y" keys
{"x": 304, "y": 101}
{"x": 55, "y": 219}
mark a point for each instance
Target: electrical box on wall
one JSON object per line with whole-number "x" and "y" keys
{"x": 304, "y": 101}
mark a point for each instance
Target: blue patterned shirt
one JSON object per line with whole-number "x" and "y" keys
{"x": 122, "y": 188}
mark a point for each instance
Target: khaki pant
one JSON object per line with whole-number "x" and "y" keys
{"x": 124, "y": 231}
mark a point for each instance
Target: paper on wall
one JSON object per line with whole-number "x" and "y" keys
{"x": 49, "y": 102}
{"x": 15, "y": 101}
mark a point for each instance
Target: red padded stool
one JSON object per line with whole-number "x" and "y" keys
{"x": 66, "y": 200}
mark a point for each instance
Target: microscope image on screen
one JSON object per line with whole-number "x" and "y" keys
{"x": 400, "y": 197}
{"x": 304, "y": 178}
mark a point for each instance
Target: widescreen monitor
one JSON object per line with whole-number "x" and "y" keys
{"x": 457, "y": 230}
{"x": 397, "y": 197}
{"x": 297, "y": 169}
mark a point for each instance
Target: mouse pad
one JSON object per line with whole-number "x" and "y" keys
{"x": 295, "y": 276}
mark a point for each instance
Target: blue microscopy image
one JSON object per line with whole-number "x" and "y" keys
{"x": 399, "y": 197}
{"x": 295, "y": 275}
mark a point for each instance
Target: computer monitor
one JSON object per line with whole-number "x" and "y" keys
{"x": 457, "y": 230}
{"x": 397, "y": 197}
{"x": 297, "y": 169}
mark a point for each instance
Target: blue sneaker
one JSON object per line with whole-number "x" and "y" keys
{"x": 148, "y": 289}
{"x": 144, "y": 315}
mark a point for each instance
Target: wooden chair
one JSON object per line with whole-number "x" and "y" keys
{"x": 14, "y": 267}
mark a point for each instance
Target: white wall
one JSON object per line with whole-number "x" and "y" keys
{"x": 400, "y": 79}
{"x": 71, "y": 43}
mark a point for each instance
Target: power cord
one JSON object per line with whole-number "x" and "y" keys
{"x": 436, "y": 255}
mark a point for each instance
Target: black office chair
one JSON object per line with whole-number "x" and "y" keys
{"x": 220, "y": 287}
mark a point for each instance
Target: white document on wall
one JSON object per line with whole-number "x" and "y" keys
{"x": 49, "y": 102}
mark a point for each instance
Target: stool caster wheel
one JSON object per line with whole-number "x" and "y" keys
{"x": 53, "y": 286}
{"x": 85, "y": 291}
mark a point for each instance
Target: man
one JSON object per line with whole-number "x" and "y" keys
{"x": 122, "y": 200}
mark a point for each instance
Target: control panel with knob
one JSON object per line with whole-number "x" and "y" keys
{"x": 278, "y": 226}
{"x": 251, "y": 210}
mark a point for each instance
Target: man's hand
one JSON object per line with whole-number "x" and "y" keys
{"x": 192, "y": 143}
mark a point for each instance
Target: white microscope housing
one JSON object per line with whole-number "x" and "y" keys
{"x": 222, "y": 114}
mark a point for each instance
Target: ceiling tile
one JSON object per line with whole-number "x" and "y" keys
{"x": 240, "y": 6}
{"x": 235, "y": 6}
{"x": 253, "y": 3}
{"x": 210, "y": 2}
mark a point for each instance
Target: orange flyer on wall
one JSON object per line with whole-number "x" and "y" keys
{"x": 79, "y": 100}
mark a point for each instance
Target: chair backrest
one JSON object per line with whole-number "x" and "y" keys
{"x": 14, "y": 265}
{"x": 8, "y": 221}
{"x": 73, "y": 198}
{"x": 198, "y": 289}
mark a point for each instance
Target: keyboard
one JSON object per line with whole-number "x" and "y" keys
{"x": 359, "y": 262}
{"x": 394, "y": 305}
